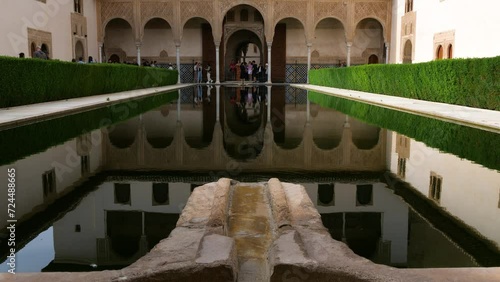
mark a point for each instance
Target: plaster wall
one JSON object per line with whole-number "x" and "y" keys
{"x": 90, "y": 215}
{"x": 330, "y": 43}
{"x": 394, "y": 210}
{"x": 157, "y": 40}
{"x": 29, "y": 193}
{"x": 53, "y": 17}
{"x": 475, "y": 24}
{"x": 469, "y": 191}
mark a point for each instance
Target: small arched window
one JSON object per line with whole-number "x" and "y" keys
{"x": 230, "y": 16}
{"x": 373, "y": 59}
{"x": 244, "y": 15}
{"x": 45, "y": 49}
{"x": 439, "y": 52}
{"x": 33, "y": 49}
{"x": 450, "y": 51}
{"x": 78, "y": 6}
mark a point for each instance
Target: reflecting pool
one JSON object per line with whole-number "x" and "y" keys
{"x": 97, "y": 190}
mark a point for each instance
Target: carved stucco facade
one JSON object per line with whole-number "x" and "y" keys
{"x": 309, "y": 13}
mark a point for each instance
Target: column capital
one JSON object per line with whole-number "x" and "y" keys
{"x": 387, "y": 44}
{"x": 348, "y": 43}
{"x": 100, "y": 44}
{"x": 269, "y": 44}
{"x": 217, "y": 43}
{"x": 138, "y": 44}
{"x": 309, "y": 45}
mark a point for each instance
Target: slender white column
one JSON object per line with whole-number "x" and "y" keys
{"x": 217, "y": 63}
{"x": 138, "y": 45}
{"x": 349, "y": 44}
{"x": 178, "y": 61}
{"x": 387, "y": 44}
{"x": 308, "y": 62}
{"x": 100, "y": 53}
{"x": 217, "y": 102}
{"x": 269, "y": 44}
{"x": 179, "y": 106}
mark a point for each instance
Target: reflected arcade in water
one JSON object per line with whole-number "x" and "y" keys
{"x": 119, "y": 189}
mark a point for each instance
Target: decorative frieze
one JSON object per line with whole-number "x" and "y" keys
{"x": 162, "y": 10}
{"x": 371, "y": 9}
{"x": 330, "y": 9}
{"x": 293, "y": 9}
{"x": 112, "y": 10}
{"x": 202, "y": 9}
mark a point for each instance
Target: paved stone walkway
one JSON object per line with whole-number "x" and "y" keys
{"x": 23, "y": 115}
{"x": 473, "y": 117}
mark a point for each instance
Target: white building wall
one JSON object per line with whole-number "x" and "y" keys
{"x": 90, "y": 215}
{"x": 469, "y": 191}
{"x": 394, "y": 213}
{"x": 54, "y": 16}
{"x": 475, "y": 23}
{"x": 29, "y": 186}
{"x": 90, "y": 12}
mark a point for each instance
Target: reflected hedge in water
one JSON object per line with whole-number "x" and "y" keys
{"x": 29, "y": 81}
{"x": 468, "y": 82}
{"x": 27, "y": 140}
{"x": 479, "y": 146}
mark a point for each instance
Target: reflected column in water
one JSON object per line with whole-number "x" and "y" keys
{"x": 217, "y": 101}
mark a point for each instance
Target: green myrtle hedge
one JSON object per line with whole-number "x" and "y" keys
{"x": 24, "y": 141}
{"x": 467, "y": 82}
{"x": 482, "y": 147}
{"x": 29, "y": 81}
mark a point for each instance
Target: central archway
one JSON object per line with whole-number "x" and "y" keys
{"x": 243, "y": 37}
{"x": 243, "y": 46}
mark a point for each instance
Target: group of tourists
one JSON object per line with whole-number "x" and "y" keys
{"x": 198, "y": 72}
{"x": 248, "y": 71}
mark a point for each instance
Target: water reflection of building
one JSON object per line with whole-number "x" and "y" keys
{"x": 118, "y": 223}
{"x": 43, "y": 177}
{"x": 367, "y": 216}
{"x": 283, "y": 136}
{"x": 467, "y": 191}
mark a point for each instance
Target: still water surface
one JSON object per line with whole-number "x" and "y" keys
{"x": 125, "y": 184}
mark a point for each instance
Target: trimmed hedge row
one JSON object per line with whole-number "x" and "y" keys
{"x": 482, "y": 147}
{"x": 24, "y": 141}
{"x": 29, "y": 81}
{"x": 466, "y": 82}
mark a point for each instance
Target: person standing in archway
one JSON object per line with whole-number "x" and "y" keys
{"x": 200, "y": 72}
{"x": 243, "y": 72}
{"x": 209, "y": 70}
{"x": 232, "y": 69}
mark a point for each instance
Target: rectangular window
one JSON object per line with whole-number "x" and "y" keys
{"x": 401, "y": 167}
{"x": 435, "y": 184}
{"x": 78, "y": 6}
{"x": 122, "y": 194}
{"x": 160, "y": 194}
{"x": 364, "y": 195}
{"x": 85, "y": 165}
{"x": 326, "y": 194}
{"x": 49, "y": 183}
